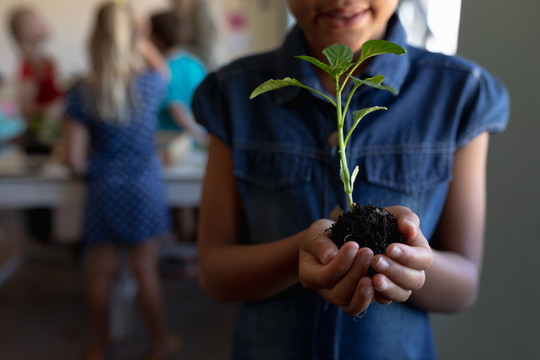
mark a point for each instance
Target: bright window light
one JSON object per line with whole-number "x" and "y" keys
{"x": 433, "y": 24}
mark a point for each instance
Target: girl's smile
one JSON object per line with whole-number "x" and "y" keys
{"x": 342, "y": 18}
{"x": 348, "y": 22}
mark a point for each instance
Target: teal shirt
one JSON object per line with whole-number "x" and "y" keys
{"x": 186, "y": 72}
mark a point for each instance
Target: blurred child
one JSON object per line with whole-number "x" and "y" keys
{"x": 186, "y": 72}
{"x": 169, "y": 32}
{"x": 273, "y": 177}
{"x": 39, "y": 95}
{"x": 39, "y": 99}
{"x": 113, "y": 111}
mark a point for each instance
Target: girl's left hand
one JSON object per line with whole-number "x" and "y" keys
{"x": 402, "y": 270}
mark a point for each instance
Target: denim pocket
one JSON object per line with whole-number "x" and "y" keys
{"x": 271, "y": 170}
{"x": 276, "y": 188}
{"x": 415, "y": 176}
{"x": 410, "y": 169}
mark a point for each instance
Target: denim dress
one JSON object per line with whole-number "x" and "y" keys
{"x": 287, "y": 174}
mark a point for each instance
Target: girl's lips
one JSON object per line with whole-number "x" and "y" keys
{"x": 341, "y": 20}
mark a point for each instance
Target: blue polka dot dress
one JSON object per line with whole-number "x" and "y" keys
{"x": 125, "y": 200}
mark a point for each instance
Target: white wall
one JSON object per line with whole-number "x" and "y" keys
{"x": 69, "y": 21}
{"x": 504, "y": 324}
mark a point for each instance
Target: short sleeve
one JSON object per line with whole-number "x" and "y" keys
{"x": 74, "y": 106}
{"x": 487, "y": 107}
{"x": 210, "y": 108}
{"x": 187, "y": 74}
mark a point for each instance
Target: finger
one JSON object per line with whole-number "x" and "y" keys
{"x": 408, "y": 222}
{"x": 342, "y": 292}
{"x": 389, "y": 289}
{"x": 415, "y": 253}
{"x": 315, "y": 275}
{"x": 363, "y": 296}
{"x": 381, "y": 299}
{"x": 318, "y": 243}
{"x": 403, "y": 276}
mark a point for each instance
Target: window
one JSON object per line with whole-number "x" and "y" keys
{"x": 432, "y": 24}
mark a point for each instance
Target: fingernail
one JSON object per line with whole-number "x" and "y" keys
{"x": 411, "y": 223}
{"x": 382, "y": 264}
{"x": 365, "y": 258}
{"x": 384, "y": 285}
{"x": 367, "y": 290}
{"x": 396, "y": 252}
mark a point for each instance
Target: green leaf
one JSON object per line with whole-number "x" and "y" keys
{"x": 338, "y": 55}
{"x": 342, "y": 174}
{"x": 375, "y": 82}
{"x": 317, "y": 63}
{"x": 353, "y": 176}
{"x": 359, "y": 114}
{"x": 272, "y": 84}
{"x": 378, "y": 47}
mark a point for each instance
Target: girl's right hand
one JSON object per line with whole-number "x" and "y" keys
{"x": 337, "y": 275}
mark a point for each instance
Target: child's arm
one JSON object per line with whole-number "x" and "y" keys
{"x": 151, "y": 55}
{"x": 146, "y": 48}
{"x": 183, "y": 118}
{"x": 230, "y": 271}
{"x": 76, "y": 143}
{"x": 452, "y": 282}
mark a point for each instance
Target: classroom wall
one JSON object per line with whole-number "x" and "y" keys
{"x": 69, "y": 22}
{"x": 504, "y": 324}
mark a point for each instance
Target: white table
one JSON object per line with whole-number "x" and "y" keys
{"x": 32, "y": 182}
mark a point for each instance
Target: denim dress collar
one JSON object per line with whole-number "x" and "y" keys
{"x": 395, "y": 70}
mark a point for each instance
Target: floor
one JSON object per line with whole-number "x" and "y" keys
{"x": 42, "y": 311}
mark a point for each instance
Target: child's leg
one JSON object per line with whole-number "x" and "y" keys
{"x": 101, "y": 272}
{"x": 143, "y": 262}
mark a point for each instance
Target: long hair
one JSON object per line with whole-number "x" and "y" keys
{"x": 114, "y": 61}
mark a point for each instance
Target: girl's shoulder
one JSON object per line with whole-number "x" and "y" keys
{"x": 422, "y": 59}
{"x": 455, "y": 72}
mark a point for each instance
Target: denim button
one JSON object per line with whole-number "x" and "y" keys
{"x": 333, "y": 139}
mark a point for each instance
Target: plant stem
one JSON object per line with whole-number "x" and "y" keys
{"x": 345, "y": 175}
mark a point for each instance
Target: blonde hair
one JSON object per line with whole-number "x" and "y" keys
{"x": 114, "y": 61}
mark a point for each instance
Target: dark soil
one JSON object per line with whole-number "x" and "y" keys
{"x": 370, "y": 226}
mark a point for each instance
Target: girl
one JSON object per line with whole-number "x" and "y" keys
{"x": 115, "y": 107}
{"x": 39, "y": 94}
{"x": 273, "y": 178}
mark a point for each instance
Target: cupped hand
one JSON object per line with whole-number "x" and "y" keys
{"x": 337, "y": 275}
{"x": 402, "y": 270}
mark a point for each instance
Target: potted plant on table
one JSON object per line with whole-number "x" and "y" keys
{"x": 368, "y": 225}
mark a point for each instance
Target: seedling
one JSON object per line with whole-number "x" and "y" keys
{"x": 368, "y": 225}
{"x": 341, "y": 67}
